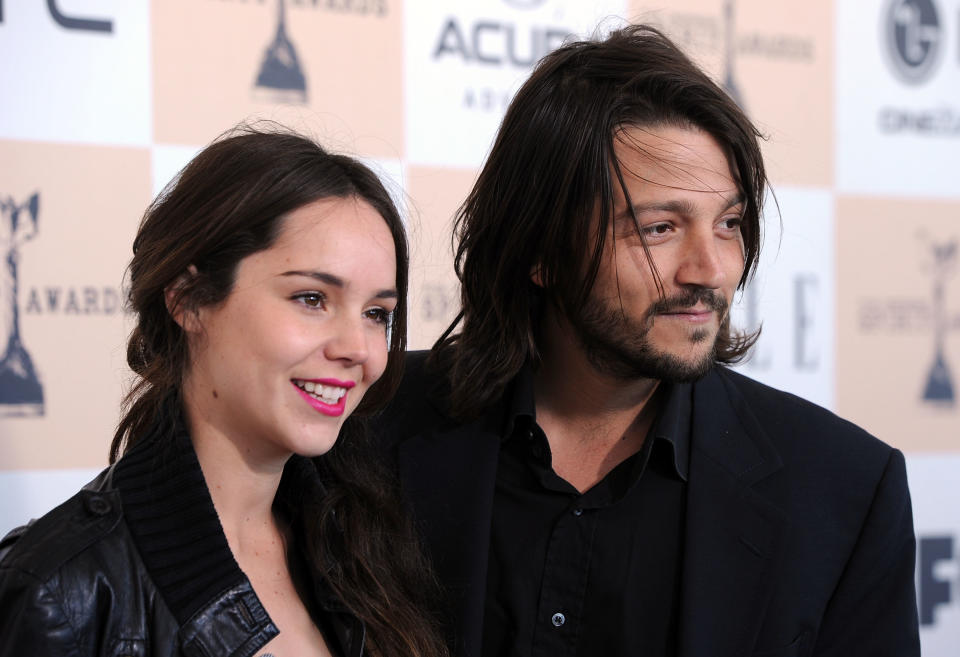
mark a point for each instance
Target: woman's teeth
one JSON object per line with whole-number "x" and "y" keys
{"x": 327, "y": 394}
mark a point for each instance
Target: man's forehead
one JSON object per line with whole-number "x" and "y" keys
{"x": 669, "y": 162}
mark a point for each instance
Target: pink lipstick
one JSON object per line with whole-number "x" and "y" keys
{"x": 308, "y": 389}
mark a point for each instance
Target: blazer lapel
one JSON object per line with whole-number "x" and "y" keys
{"x": 449, "y": 476}
{"x": 733, "y": 534}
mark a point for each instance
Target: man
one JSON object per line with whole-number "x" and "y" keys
{"x": 589, "y": 478}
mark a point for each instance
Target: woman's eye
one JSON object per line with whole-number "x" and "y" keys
{"x": 310, "y": 299}
{"x": 379, "y": 315}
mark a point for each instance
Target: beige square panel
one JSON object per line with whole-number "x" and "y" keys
{"x": 776, "y": 60}
{"x": 898, "y": 320}
{"x": 69, "y": 214}
{"x": 332, "y": 70}
{"x": 435, "y": 195}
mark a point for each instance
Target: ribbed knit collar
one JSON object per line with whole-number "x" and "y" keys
{"x": 171, "y": 516}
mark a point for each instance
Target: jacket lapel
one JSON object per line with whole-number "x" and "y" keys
{"x": 449, "y": 476}
{"x": 733, "y": 533}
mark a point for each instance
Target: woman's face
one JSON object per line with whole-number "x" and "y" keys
{"x": 277, "y": 367}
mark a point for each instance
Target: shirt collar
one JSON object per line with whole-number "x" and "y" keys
{"x": 521, "y": 408}
{"x": 672, "y": 424}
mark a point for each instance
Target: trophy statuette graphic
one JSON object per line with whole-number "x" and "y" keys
{"x": 20, "y": 391}
{"x": 729, "y": 83}
{"x": 281, "y": 78}
{"x": 939, "y": 387}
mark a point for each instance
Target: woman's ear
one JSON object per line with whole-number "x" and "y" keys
{"x": 536, "y": 276}
{"x": 173, "y": 296}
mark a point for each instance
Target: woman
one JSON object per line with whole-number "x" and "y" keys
{"x": 269, "y": 284}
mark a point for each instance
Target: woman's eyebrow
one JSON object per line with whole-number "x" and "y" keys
{"x": 336, "y": 281}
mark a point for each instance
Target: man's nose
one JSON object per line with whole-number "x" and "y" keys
{"x": 701, "y": 263}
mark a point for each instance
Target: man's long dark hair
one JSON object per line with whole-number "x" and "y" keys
{"x": 231, "y": 202}
{"x": 552, "y": 169}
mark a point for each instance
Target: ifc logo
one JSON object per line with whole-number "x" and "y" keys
{"x": 912, "y": 33}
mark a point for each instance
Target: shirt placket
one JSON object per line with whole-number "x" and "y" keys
{"x": 564, "y": 583}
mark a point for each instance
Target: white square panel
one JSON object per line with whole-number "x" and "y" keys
{"x": 898, "y": 97}
{"x": 75, "y": 71}
{"x": 465, "y": 60}
{"x": 792, "y": 297}
{"x": 936, "y": 518}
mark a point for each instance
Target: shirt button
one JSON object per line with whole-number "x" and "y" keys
{"x": 578, "y": 512}
{"x": 558, "y": 619}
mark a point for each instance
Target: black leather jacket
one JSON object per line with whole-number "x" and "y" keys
{"x": 136, "y": 564}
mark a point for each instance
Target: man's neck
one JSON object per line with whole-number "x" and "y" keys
{"x": 593, "y": 422}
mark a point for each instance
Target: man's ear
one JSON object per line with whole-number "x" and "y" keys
{"x": 181, "y": 312}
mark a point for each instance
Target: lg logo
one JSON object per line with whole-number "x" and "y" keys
{"x": 915, "y": 36}
{"x": 912, "y": 32}
{"x": 72, "y": 22}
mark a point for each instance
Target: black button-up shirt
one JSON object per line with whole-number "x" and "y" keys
{"x": 596, "y": 573}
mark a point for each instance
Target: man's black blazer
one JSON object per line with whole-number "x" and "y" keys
{"x": 799, "y": 532}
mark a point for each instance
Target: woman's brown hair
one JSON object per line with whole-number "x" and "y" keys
{"x": 229, "y": 202}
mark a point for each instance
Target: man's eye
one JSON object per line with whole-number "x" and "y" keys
{"x": 656, "y": 229}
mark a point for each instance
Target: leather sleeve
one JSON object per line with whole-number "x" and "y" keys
{"x": 873, "y": 610}
{"x": 33, "y": 620}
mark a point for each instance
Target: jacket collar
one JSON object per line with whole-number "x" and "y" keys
{"x": 178, "y": 534}
{"x": 733, "y": 532}
{"x": 172, "y": 519}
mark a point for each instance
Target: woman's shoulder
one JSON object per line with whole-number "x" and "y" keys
{"x": 43, "y": 545}
{"x": 60, "y": 573}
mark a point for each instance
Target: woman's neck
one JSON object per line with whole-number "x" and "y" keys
{"x": 242, "y": 481}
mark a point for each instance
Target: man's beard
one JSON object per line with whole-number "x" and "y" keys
{"x": 618, "y": 346}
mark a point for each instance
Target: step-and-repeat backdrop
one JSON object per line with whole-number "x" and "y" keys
{"x": 102, "y": 101}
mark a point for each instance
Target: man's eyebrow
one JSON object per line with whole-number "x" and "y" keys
{"x": 336, "y": 281}
{"x": 739, "y": 199}
{"x": 679, "y": 206}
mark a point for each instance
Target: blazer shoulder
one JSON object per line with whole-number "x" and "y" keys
{"x": 792, "y": 420}
{"x": 835, "y": 476}
{"x": 416, "y": 404}
{"x": 416, "y": 377}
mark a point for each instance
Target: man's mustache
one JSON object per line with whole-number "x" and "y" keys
{"x": 687, "y": 299}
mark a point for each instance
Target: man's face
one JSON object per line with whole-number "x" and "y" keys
{"x": 689, "y": 207}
